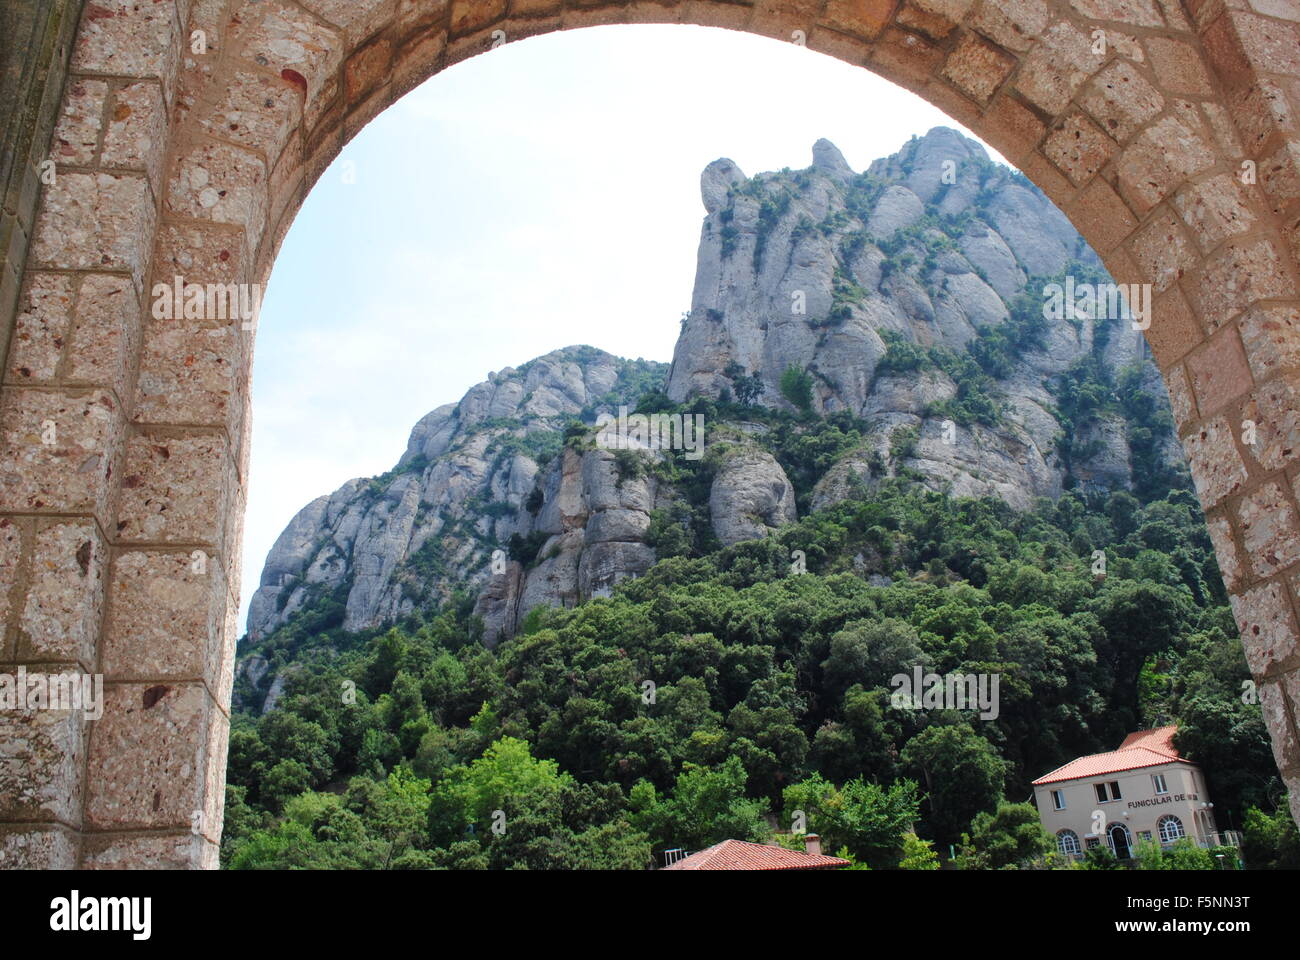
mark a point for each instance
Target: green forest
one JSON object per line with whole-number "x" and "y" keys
{"x": 728, "y": 691}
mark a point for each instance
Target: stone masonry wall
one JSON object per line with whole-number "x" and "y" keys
{"x": 1168, "y": 132}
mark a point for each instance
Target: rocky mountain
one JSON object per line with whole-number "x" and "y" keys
{"x": 820, "y": 269}
{"x": 844, "y": 327}
{"x": 474, "y": 474}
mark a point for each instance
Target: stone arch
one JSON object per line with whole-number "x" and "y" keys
{"x": 118, "y": 532}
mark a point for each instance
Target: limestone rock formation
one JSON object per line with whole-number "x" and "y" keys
{"x": 750, "y": 496}
{"x": 864, "y": 295}
{"x": 819, "y": 269}
{"x": 474, "y": 475}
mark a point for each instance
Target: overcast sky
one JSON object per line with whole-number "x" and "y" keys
{"x": 543, "y": 194}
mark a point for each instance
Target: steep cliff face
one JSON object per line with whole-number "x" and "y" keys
{"x": 822, "y": 269}
{"x": 474, "y": 475}
{"x": 844, "y": 327}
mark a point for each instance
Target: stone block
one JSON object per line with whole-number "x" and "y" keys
{"x": 1242, "y": 272}
{"x": 1275, "y": 411}
{"x": 1163, "y": 251}
{"x": 95, "y": 221}
{"x": 977, "y": 67}
{"x": 56, "y": 450}
{"x": 1267, "y": 626}
{"x": 1270, "y": 536}
{"x": 76, "y": 137}
{"x": 1121, "y": 100}
{"x": 125, "y": 38}
{"x": 148, "y": 752}
{"x": 65, "y": 594}
{"x": 41, "y": 328}
{"x": 1216, "y": 466}
{"x": 106, "y": 339}
{"x": 192, "y": 372}
{"x": 166, "y": 618}
{"x": 1225, "y": 549}
{"x": 1271, "y": 337}
{"x": 1214, "y": 209}
{"x": 136, "y": 138}
{"x": 1160, "y": 160}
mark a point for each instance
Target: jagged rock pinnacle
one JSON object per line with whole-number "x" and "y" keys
{"x": 827, "y": 159}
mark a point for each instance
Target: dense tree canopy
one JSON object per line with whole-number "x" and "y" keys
{"x": 724, "y": 690}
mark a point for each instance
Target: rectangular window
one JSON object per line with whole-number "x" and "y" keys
{"x": 1159, "y": 780}
{"x": 1058, "y": 800}
{"x": 1101, "y": 792}
{"x": 1145, "y": 834}
{"x": 1114, "y": 790}
{"x": 1092, "y": 842}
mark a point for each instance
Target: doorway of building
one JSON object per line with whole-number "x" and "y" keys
{"x": 1120, "y": 841}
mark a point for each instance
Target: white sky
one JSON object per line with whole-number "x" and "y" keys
{"x": 543, "y": 194}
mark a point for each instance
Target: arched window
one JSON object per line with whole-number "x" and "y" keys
{"x": 1067, "y": 841}
{"x": 1171, "y": 828}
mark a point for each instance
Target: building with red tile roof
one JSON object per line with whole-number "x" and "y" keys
{"x": 1146, "y": 748}
{"x": 743, "y": 855}
{"x": 1142, "y": 790}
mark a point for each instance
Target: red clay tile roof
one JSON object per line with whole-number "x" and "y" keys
{"x": 1146, "y": 748}
{"x": 742, "y": 855}
{"x": 1161, "y": 740}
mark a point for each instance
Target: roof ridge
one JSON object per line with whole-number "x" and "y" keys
{"x": 733, "y": 854}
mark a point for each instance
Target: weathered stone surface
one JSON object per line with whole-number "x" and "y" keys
{"x": 290, "y": 42}
{"x": 174, "y": 489}
{"x": 41, "y": 329}
{"x": 149, "y": 751}
{"x": 1174, "y": 329}
{"x": 1270, "y": 535}
{"x": 43, "y": 847}
{"x": 1121, "y": 100}
{"x": 220, "y": 183}
{"x": 1180, "y": 129}
{"x": 1273, "y": 702}
{"x": 1058, "y": 65}
{"x": 751, "y": 496}
{"x": 95, "y": 221}
{"x": 1178, "y": 66}
{"x": 1180, "y": 397}
{"x": 1237, "y": 275}
{"x": 60, "y": 621}
{"x": 1267, "y": 627}
{"x": 1015, "y": 24}
{"x": 56, "y": 450}
{"x": 76, "y": 138}
{"x": 1215, "y": 209}
{"x": 1216, "y": 466}
{"x": 176, "y": 851}
{"x": 135, "y": 138}
{"x": 1275, "y": 413}
{"x": 42, "y": 750}
{"x": 1163, "y": 251}
{"x": 1079, "y": 148}
{"x": 166, "y": 619}
{"x": 125, "y": 38}
{"x": 257, "y": 112}
{"x": 1162, "y": 157}
{"x": 1219, "y": 372}
{"x": 11, "y": 555}
{"x": 978, "y": 68}
{"x": 106, "y": 339}
{"x": 204, "y": 388}
{"x": 1225, "y": 549}
{"x": 1271, "y": 336}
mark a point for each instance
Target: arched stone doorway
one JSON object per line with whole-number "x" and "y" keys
{"x": 189, "y": 133}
